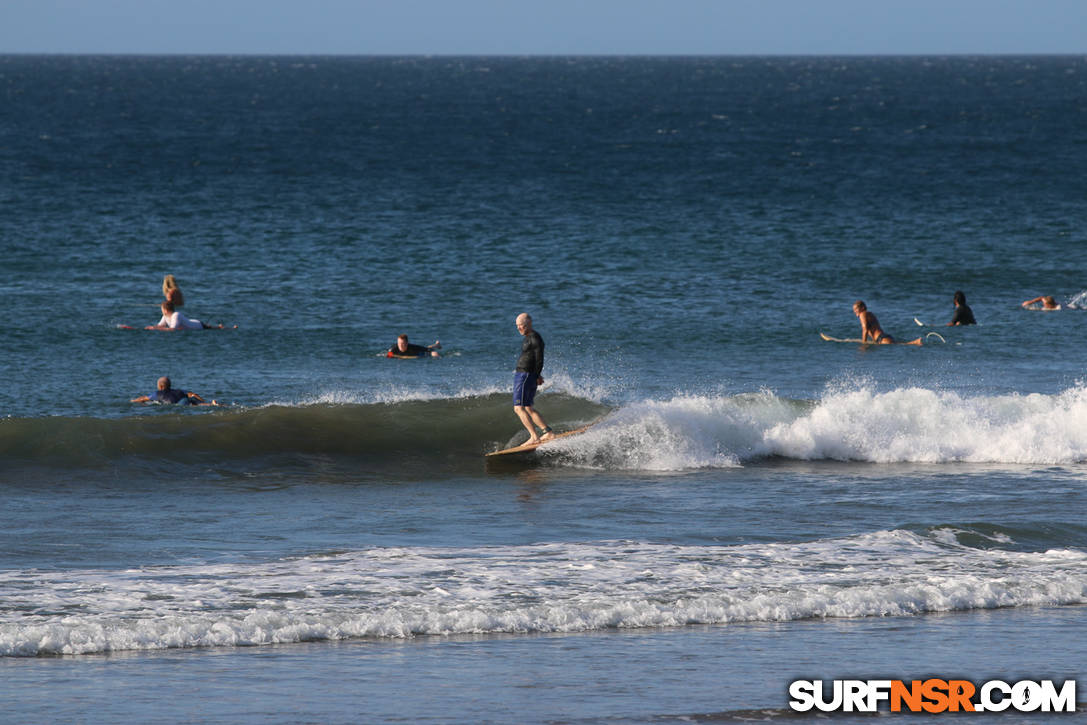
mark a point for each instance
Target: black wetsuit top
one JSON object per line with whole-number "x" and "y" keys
{"x": 413, "y": 350}
{"x": 532, "y": 354}
{"x": 173, "y": 395}
{"x": 963, "y": 316}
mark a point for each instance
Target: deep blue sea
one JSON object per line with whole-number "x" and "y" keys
{"x": 753, "y": 505}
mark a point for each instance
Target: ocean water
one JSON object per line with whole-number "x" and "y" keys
{"x": 754, "y": 505}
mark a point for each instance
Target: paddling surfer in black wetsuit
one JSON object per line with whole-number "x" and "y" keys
{"x": 167, "y": 394}
{"x": 527, "y": 378}
{"x": 403, "y": 349}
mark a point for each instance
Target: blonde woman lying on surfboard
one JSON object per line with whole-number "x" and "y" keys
{"x": 870, "y": 327}
{"x": 172, "y": 319}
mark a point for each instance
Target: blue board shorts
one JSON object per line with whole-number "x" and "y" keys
{"x": 524, "y": 388}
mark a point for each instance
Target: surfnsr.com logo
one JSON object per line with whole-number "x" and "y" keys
{"x": 932, "y": 695}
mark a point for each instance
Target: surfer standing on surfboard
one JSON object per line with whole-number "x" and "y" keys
{"x": 527, "y": 378}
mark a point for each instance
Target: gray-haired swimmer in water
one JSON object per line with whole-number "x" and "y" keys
{"x": 167, "y": 394}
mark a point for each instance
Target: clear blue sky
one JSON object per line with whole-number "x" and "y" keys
{"x": 487, "y": 27}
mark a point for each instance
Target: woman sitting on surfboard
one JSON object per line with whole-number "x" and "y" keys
{"x": 870, "y": 327}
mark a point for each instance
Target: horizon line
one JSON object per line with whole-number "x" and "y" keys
{"x": 307, "y": 54}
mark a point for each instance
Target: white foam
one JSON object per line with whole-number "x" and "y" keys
{"x": 921, "y": 425}
{"x": 404, "y": 592}
{"x": 597, "y": 390}
{"x": 1078, "y": 301}
{"x": 917, "y": 425}
{"x": 684, "y": 432}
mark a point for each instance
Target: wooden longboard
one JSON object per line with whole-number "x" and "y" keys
{"x": 859, "y": 341}
{"x": 526, "y": 447}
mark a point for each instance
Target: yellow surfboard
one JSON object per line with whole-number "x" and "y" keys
{"x": 526, "y": 447}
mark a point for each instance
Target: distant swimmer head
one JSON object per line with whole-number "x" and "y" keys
{"x": 402, "y": 343}
{"x": 1049, "y": 302}
{"x": 960, "y": 298}
{"x": 524, "y": 322}
{"x": 167, "y": 307}
{"x": 859, "y": 307}
{"x": 164, "y": 383}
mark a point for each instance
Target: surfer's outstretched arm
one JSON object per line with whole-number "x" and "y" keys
{"x": 196, "y": 399}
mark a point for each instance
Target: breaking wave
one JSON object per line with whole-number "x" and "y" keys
{"x": 557, "y": 587}
{"x": 917, "y": 425}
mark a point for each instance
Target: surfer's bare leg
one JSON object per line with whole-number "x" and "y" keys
{"x": 532, "y": 420}
{"x": 539, "y": 421}
{"x": 526, "y": 420}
